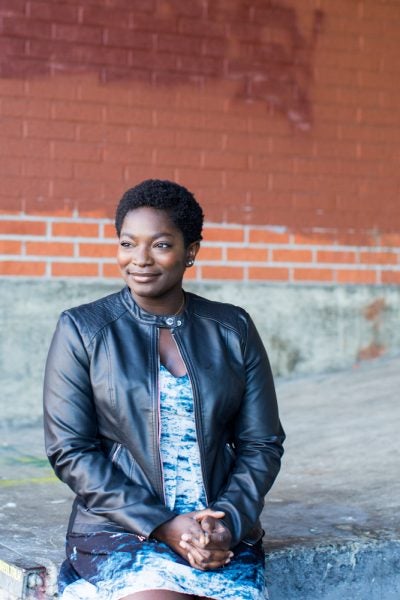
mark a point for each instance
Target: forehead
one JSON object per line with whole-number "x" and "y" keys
{"x": 148, "y": 219}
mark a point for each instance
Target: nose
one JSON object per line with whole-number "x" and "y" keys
{"x": 141, "y": 256}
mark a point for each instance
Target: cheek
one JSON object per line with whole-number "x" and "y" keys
{"x": 122, "y": 257}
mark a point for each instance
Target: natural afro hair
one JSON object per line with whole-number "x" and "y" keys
{"x": 175, "y": 199}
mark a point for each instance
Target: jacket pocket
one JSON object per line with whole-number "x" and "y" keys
{"x": 123, "y": 460}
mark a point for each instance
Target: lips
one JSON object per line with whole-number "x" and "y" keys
{"x": 143, "y": 277}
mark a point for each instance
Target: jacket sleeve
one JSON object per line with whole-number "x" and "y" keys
{"x": 258, "y": 439}
{"x": 72, "y": 442}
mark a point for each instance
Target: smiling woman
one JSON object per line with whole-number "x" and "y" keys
{"x": 152, "y": 258}
{"x": 161, "y": 415}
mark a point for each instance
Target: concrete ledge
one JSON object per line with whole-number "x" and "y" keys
{"x": 353, "y": 571}
{"x": 332, "y": 519}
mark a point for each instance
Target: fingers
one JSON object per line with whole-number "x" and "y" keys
{"x": 203, "y": 559}
{"x": 208, "y": 512}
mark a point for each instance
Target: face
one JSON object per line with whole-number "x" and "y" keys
{"x": 152, "y": 255}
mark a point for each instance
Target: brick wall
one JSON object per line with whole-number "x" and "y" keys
{"x": 282, "y": 117}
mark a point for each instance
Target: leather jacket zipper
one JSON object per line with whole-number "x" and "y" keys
{"x": 159, "y": 415}
{"x": 115, "y": 453}
{"x": 196, "y": 414}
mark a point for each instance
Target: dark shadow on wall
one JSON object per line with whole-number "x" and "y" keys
{"x": 257, "y": 44}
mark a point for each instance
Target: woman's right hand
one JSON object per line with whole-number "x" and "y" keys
{"x": 211, "y": 550}
{"x": 188, "y": 538}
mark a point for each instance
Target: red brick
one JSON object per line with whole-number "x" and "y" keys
{"x": 247, "y": 254}
{"x": 10, "y": 127}
{"x": 175, "y": 157}
{"x": 214, "y": 46}
{"x": 225, "y": 160}
{"x": 391, "y": 240}
{"x": 136, "y": 173}
{"x": 66, "y": 150}
{"x": 26, "y": 28}
{"x": 49, "y": 248}
{"x": 42, "y": 204}
{"x": 230, "y": 124}
{"x": 128, "y": 116}
{"x": 208, "y": 253}
{"x": 379, "y": 258}
{"x": 104, "y": 15}
{"x": 65, "y": 229}
{"x": 48, "y": 168}
{"x": 202, "y": 65}
{"x": 111, "y": 270}
{"x": 192, "y": 178}
{"x": 100, "y": 132}
{"x": 220, "y": 234}
{"x": 109, "y": 231}
{"x": 9, "y": 247}
{"x": 74, "y": 269}
{"x": 52, "y": 130}
{"x": 313, "y": 275}
{"x": 61, "y": 88}
{"x": 20, "y": 227}
{"x": 46, "y": 11}
{"x": 11, "y": 87}
{"x": 22, "y": 268}
{"x": 129, "y": 39}
{"x": 97, "y": 172}
{"x": 264, "y": 236}
{"x": 10, "y": 46}
{"x": 291, "y": 256}
{"x": 202, "y": 28}
{"x": 192, "y": 274}
{"x": 311, "y": 238}
{"x": 268, "y": 274}
{"x": 154, "y": 60}
{"x": 80, "y": 33}
{"x": 77, "y": 111}
{"x": 199, "y": 139}
{"x": 391, "y": 277}
{"x": 16, "y": 7}
{"x": 25, "y": 148}
{"x": 352, "y": 276}
{"x": 98, "y": 250}
{"x": 225, "y": 272}
{"x": 178, "y": 43}
{"x": 77, "y": 190}
{"x": 10, "y": 166}
{"x": 24, "y": 67}
{"x": 333, "y": 256}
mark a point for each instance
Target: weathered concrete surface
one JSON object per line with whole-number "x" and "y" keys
{"x": 332, "y": 519}
{"x": 306, "y": 329}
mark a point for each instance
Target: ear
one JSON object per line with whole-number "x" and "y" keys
{"x": 191, "y": 252}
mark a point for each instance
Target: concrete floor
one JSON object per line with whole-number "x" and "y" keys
{"x": 332, "y": 518}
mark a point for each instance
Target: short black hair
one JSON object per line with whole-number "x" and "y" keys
{"x": 181, "y": 205}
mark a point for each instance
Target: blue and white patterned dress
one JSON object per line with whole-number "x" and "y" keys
{"x": 109, "y": 566}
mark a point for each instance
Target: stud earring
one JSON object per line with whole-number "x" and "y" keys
{"x": 190, "y": 263}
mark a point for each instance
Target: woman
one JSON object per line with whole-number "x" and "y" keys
{"x": 161, "y": 415}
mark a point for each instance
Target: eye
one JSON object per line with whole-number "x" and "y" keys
{"x": 162, "y": 245}
{"x": 125, "y": 244}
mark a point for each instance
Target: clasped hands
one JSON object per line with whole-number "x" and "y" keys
{"x": 199, "y": 537}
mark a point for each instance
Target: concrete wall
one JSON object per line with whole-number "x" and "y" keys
{"x": 306, "y": 329}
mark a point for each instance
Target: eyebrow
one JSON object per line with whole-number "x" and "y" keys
{"x": 154, "y": 237}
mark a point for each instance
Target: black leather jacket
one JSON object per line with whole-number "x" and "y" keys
{"x": 101, "y": 406}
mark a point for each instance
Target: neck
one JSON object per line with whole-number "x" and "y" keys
{"x": 161, "y": 306}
